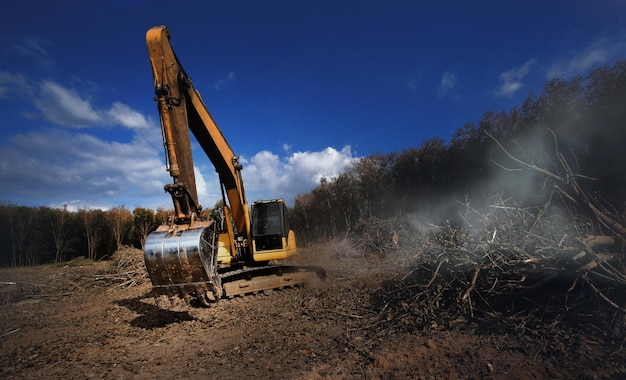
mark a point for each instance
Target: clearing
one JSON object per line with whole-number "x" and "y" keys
{"x": 82, "y": 321}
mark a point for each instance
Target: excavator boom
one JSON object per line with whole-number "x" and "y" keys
{"x": 182, "y": 109}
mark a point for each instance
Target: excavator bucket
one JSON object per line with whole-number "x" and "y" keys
{"x": 184, "y": 263}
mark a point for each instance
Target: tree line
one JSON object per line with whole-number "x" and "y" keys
{"x": 39, "y": 235}
{"x": 579, "y": 122}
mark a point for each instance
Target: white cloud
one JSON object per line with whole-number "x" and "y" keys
{"x": 121, "y": 114}
{"x": 448, "y": 82}
{"x": 598, "y": 52}
{"x": 59, "y": 166}
{"x": 511, "y": 81}
{"x": 65, "y": 107}
{"x": 208, "y": 187}
{"x": 54, "y": 165}
{"x": 268, "y": 176}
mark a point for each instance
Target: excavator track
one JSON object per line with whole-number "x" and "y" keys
{"x": 259, "y": 279}
{"x": 245, "y": 281}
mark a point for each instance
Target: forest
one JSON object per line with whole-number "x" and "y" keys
{"x": 557, "y": 155}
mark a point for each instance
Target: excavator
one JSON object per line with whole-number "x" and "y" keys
{"x": 234, "y": 252}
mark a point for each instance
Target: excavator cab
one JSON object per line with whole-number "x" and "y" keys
{"x": 270, "y": 227}
{"x": 272, "y": 239}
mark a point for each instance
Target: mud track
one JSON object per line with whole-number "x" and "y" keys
{"x": 71, "y": 322}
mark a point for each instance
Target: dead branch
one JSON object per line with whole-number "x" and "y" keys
{"x": 432, "y": 279}
{"x": 602, "y": 296}
{"x": 12, "y": 331}
{"x": 611, "y": 223}
{"x": 523, "y": 163}
{"x": 574, "y": 192}
{"x": 472, "y": 284}
{"x": 127, "y": 269}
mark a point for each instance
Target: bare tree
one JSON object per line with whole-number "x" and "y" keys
{"x": 60, "y": 233}
{"x": 119, "y": 219}
{"x": 92, "y": 220}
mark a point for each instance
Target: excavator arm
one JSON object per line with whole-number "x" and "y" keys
{"x": 181, "y": 109}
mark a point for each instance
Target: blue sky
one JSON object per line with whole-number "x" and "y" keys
{"x": 299, "y": 88}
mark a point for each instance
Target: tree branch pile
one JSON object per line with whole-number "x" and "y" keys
{"x": 127, "y": 268}
{"x": 515, "y": 267}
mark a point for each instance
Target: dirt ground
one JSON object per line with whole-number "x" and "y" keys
{"x": 75, "y": 322}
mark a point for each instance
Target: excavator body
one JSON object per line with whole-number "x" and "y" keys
{"x": 229, "y": 255}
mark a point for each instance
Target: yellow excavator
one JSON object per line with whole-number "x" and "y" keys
{"x": 233, "y": 253}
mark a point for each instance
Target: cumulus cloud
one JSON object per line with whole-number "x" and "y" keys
{"x": 208, "y": 186}
{"x": 448, "y": 82}
{"x": 268, "y": 176}
{"x": 511, "y": 81}
{"x": 59, "y": 167}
